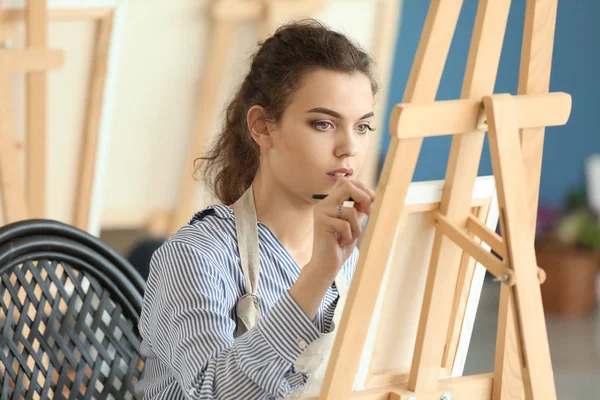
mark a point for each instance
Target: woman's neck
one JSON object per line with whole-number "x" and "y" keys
{"x": 288, "y": 217}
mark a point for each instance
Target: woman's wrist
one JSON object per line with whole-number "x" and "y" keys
{"x": 310, "y": 288}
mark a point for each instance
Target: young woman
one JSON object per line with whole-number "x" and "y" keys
{"x": 243, "y": 301}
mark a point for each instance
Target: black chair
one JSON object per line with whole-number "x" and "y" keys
{"x": 69, "y": 309}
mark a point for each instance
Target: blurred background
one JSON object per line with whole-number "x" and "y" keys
{"x": 142, "y": 87}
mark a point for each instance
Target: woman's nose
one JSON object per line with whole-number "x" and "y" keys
{"x": 347, "y": 144}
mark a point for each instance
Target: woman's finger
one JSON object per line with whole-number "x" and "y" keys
{"x": 348, "y": 189}
{"x": 364, "y": 207}
{"x": 341, "y": 226}
{"x": 365, "y": 188}
{"x": 349, "y": 214}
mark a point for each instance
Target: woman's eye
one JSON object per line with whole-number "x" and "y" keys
{"x": 363, "y": 128}
{"x": 322, "y": 125}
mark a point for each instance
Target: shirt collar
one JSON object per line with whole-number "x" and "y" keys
{"x": 220, "y": 210}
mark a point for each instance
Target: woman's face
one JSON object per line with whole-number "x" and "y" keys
{"x": 323, "y": 133}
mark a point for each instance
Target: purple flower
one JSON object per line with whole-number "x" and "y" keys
{"x": 547, "y": 217}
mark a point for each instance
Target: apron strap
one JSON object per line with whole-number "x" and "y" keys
{"x": 248, "y": 306}
{"x": 246, "y": 225}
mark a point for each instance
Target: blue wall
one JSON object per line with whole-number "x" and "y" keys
{"x": 575, "y": 70}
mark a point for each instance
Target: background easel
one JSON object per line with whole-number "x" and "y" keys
{"x": 84, "y": 205}
{"x": 453, "y": 231}
{"x": 21, "y": 201}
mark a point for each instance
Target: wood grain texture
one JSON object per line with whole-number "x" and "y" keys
{"x": 12, "y": 190}
{"x": 487, "y": 235}
{"x": 508, "y": 381}
{"x": 468, "y": 387}
{"x": 475, "y": 386}
{"x": 462, "y": 294}
{"x": 462, "y": 239}
{"x": 531, "y": 330}
{"x": 463, "y": 164}
{"x": 8, "y": 31}
{"x": 60, "y": 13}
{"x": 36, "y": 30}
{"x": 461, "y": 116}
{"x": 33, "y": 59}
{"x": 534, "y": 78}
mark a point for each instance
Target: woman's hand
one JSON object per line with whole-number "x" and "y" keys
{"x": 336, "y": 230}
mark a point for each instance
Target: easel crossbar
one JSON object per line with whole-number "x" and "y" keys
{"x": 463, "y": 116}
{"x": 32, "y": 59}
{"x": 461, "y": 238}
{"x": 7, "y": 15}
{"x": 476, "y": 387}
{"x": 487, "y": 235}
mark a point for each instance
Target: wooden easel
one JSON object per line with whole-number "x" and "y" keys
{"x": 107, "y": 15}
{"x": 523, "y": 365}
{"x": 25, "y": 201}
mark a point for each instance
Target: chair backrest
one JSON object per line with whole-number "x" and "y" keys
{"x": 69, "y": 309}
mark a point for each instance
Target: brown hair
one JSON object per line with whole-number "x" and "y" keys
{"x": 275, "y": 73}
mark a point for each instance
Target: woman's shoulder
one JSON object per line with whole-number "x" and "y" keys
{"x": 210, "y": 222}
{"x": 210, "y": 231}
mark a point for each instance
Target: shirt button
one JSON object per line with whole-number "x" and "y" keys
{"x": 302, "y": 344}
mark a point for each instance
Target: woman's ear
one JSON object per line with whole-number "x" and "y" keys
{"x": 258, "y": 125}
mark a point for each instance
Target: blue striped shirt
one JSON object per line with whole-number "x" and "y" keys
{"x": 188, "y": 319}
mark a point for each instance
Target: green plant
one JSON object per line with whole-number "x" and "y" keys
{"x": 579, "y": 228}
{"x": 575, "y": 227}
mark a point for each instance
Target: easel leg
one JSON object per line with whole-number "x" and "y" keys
{"x": 508, "y": 383}
{"x": 463, "y": 164}
{"x": 402, "y": 155}
{"x": 14, "y": 206}
{"x": 508, "y": 376}
{"x": 534, "y": 77}
{"x": 36, "y": 25}
{"x": 530, "y": 324}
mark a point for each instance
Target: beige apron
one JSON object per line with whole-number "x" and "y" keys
{"x": 314, "y": 357}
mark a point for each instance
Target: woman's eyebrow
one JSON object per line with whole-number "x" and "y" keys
{"x": 336, "y": 114}
{"x": 327, "y": 111}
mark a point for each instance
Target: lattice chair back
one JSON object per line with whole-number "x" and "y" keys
{"x": 69, "y": 309}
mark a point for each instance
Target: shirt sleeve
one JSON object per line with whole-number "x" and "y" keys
{"x": 190, "y": 329}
